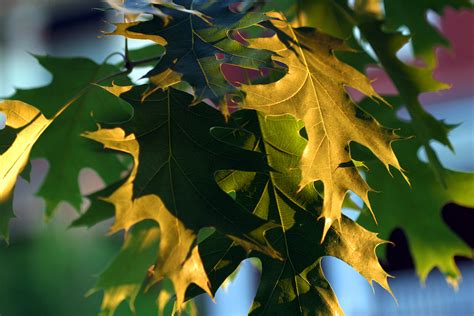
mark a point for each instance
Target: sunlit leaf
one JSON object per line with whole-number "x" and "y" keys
{"x": 178, "y": 193}
{"x": 123, "y": 278}
{"x": 314, "y": 91}
{"x": 24, "y": 125}
{"x": 196, "y": 50}
{"x": 126, "y": 276}
{"x": 194, "y": 193}
{"x": 61, "y": 144}
{"x": 297, "y": 284}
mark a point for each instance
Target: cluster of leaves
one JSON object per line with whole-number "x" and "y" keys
{"x": 244, "y": 143}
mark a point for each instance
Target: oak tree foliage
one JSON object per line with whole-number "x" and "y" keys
{"x": 245, "y": 143}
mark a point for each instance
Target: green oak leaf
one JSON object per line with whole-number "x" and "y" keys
{"x": 126, "y": 277}
{"x": 335, "y": 18}
{"x": 411, "y": 82}
{"x": 314, "y": 91}
{"x": 180, "y": 193}
{"x": 158, "y": 300}
{"x": 99, "y": 209}
{"x": 196, "y": 50}
{"x": 331, "y": 16}
{"x": 289, "y": 7}
{"x": 417, "y": 209}
{"x": 61, "y": 144}
{"x": 123, "y": 278}
{"x": 413, "y": 14}
{"x": 297, "y": 284}
{"x": 146, "y": 52}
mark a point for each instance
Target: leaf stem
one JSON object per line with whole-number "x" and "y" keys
{"x": 112, "y": 55}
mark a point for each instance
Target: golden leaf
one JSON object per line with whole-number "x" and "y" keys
{"x": 31, "y": 124}
{"x": 314, "y": 91}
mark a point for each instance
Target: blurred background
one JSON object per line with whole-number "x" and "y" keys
{"x": 48, "y": 268}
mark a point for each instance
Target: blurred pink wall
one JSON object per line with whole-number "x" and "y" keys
{"x": 455, "y": 64}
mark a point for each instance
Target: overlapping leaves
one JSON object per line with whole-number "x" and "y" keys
{"x": 417, "y": 209}
{"x": 314, "y": 91}
{"x": 197, "y": 49}
{"x": 177, "y": 192}
{"x": 411, "y": 82}
{"x": 381, "y": 31}
{"x": 125, "y": 278}
{"x": 296, "y": 284}
{"x": 57, "y": 115}
{"x": 24, "y": 125}
{"x": 414, "y": 15}
{"x": 253, "y": 178}
{"x": 135, "y": 8}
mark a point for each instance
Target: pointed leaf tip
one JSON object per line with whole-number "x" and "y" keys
{"x": 313, "y": 91}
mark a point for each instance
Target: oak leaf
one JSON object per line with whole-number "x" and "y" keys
{"x": 177, "y": 192}
{"x": 87, "y": 104}
{"x": 16, "y": 150}
{"x": 196, "y": 50}
{"x": 314, "y": 91}
{"x": 123, "y": 278}
{"x": 411, "y": 82}
{"x": 417, "y": 209}
{"x": 297, "y": 284}
{"x": 413, "y": 15}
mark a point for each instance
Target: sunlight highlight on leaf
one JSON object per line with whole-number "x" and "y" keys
{"x": 159, "y": 140}
{"x": 30, "y": 124}
{"x": 196, "y": 50}
{"x": 313, "y": 91}
{"x": 297, "y": 284}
